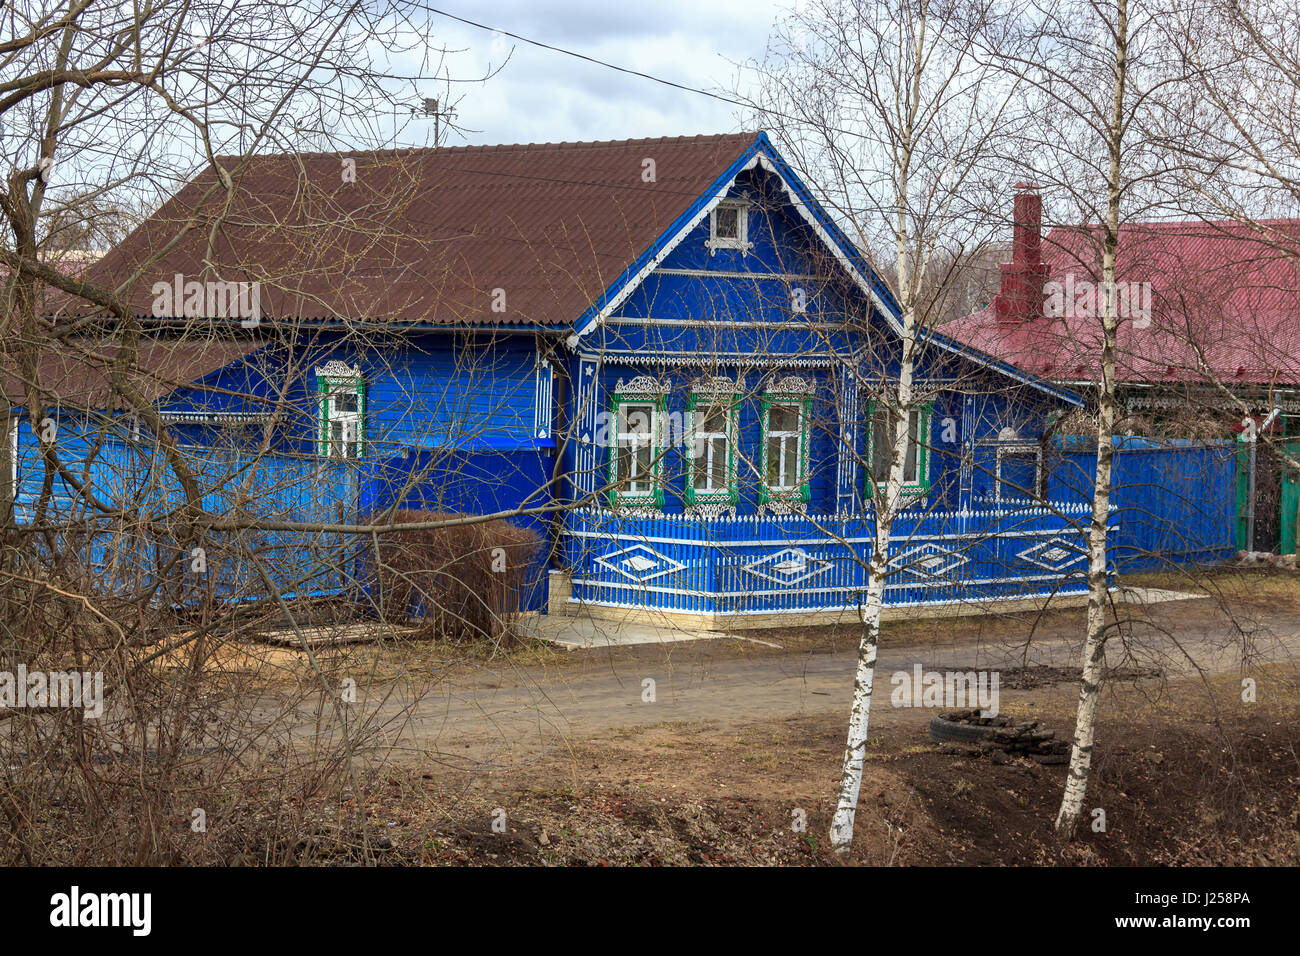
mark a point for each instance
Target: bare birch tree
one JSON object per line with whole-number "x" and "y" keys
{"x": 894, "y": 107}
{"x": 1096, "y": 74}
{"x": 1233, "y": 127}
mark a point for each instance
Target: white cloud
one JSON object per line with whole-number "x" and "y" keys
{"x": 545, "y": 96}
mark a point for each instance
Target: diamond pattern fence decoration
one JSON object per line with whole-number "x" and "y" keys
{"x": 773, "y": 564}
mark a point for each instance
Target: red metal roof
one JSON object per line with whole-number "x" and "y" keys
{"x": 425, "y": 235}
{"x": 1223, "y": 297}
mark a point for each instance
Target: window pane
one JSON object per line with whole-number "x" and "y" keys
{"x": 716, "y": 472}
{"x": 638, "y": 419}
{"x": 726, "y": 222}
{"x": 345, "y": 401}
{"x": 773, "y": 461}
{"x": 782, "y": 418}
{"x": 909, "y": 465}
{"x": 715, "y": 420}
{"x": 634, "y": 456}
{"x": 1019, "y": 474}
{"x": 644, "y": 456}
{"x": 882, "y": 444}
{"x": 785, "y": 433}
{"x": 710, "y": 469}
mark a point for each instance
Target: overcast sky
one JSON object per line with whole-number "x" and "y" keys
{"x": 544, "y": 96}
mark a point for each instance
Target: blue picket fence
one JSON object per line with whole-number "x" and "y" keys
{"x": 1175, "y": 499}
{"x": 141, "y": 550}
{"x": 772, "y": 564}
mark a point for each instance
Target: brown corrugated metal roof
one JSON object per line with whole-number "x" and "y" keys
{"x": 77, "y": 374}
{"x": 426, "y": 235}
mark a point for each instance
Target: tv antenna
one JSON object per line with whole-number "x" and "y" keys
{"x": 431, "y": 108}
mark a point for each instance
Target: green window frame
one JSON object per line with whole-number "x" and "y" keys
{"x": 920, "y": 437}
{"x": 618, "y": 493}
{"x": 730, "y": 493}
{"x": 334, "y": 394}
{"x": 801, "y": 490}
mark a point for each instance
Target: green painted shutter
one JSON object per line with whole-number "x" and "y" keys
{"x": 322, "y": 412}
{"x": 361, "y": 418}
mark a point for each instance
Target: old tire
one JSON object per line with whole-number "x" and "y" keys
{"x": 950, "y": 731}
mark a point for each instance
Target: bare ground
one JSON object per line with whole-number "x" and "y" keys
{"x": 563, "y": 760}
{"x": 1177, "y": 788}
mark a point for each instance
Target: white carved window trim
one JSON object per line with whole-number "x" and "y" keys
{"x": 790, "y": 392}
{"x": 741, "y": 239}
{"x": 335, "y": 382}
{"x": 13, "y": 453}
{"x": 712, "y": 393}
{"x": 643, "y": 392}
{"x": 1018, "y": 448}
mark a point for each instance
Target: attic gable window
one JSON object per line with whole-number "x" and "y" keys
{"x": 729, "y": 226}
{"x": 341, "y": 401}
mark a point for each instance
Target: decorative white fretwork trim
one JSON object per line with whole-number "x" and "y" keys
{"x": 730, "y": 274}
{"x": 792, "y": 385}
{"x": 634, "y": 511}
{"x": 639, "y": 563}
{"x": 1056, "y": 554}
{"x": 191, "y": 418}
{"x": 340, "y": 371}
{"x": 710, "y": 359}
{"x": 787, "y": 567}
{"x": 711, "y": 509}
{"x": 928, "y": 560}
{"x": 543, "y": 386}
{"x": 643, "y": 385}
{"x": 718, "y": 386}
{"x": 1260, "y": 404}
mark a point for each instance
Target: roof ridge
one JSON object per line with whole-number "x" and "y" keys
{"x": 1190, "y": 223}
{"x": 506, "y": 147}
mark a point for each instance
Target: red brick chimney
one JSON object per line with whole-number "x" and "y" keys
{"x": 1021, "y": 297}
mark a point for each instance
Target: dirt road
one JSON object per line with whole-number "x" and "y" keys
{"x": 505, "y": 714}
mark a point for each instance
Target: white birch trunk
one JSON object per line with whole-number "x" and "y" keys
{"x": 841, "y": 834}
{"x": 1094, "y": 652}
{"x": 855, "y": 751}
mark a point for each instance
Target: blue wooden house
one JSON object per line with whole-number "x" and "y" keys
{"x": 662, "y": 354}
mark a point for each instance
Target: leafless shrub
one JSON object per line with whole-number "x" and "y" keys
{"x": 463, "y": 582}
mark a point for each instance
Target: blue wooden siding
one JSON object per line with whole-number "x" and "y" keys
{"x": 135, "y": 551}
{"x": 475, "y": 482}
{"x": 93, "y": 449}
{"x": 1175, "y": 500}
{"x": 424, "y": 389}
{"x": 477, "y": 396}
